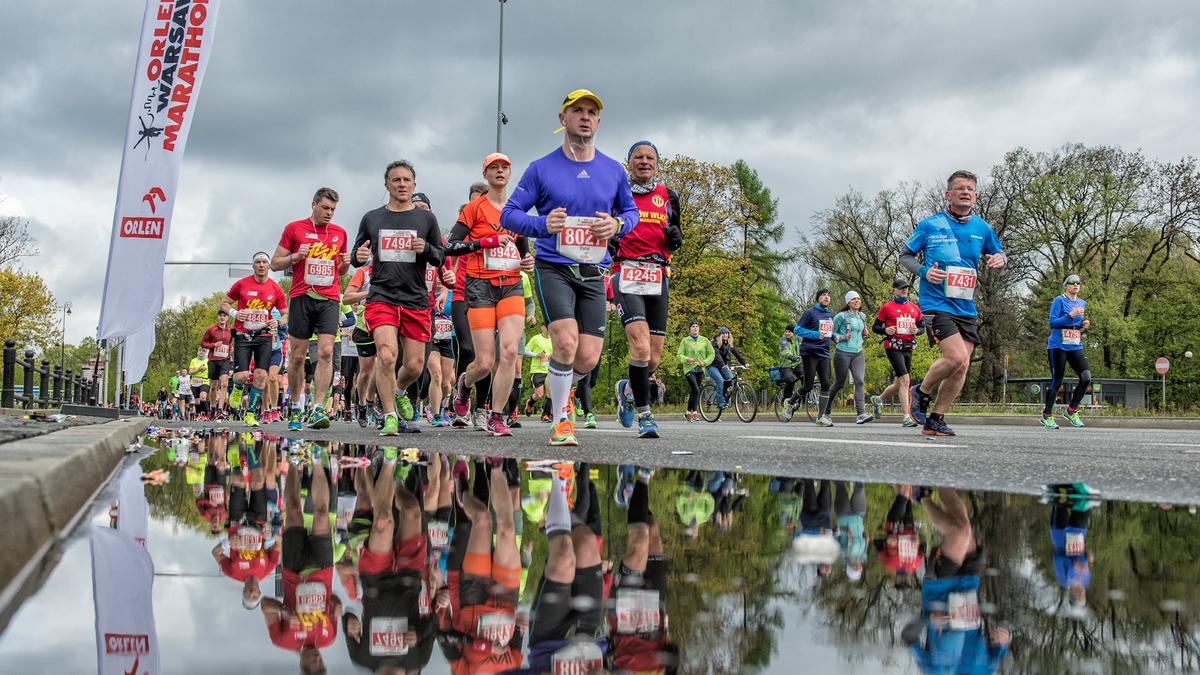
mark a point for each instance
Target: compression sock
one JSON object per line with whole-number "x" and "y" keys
{"x": 582, "y": 497}
{"x": 483, "y": 391}
{"x": 583, "y": 390}
{"x": 558, "y": 514}
{"x": 639, "y": 503}
{"x": 639, "y": 381}
{"x": 558, "y": 380}
{"x": 514, "y": 397}
{"x": 255, "y": 394}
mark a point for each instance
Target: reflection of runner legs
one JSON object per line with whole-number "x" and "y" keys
{"x": 950, "y": 519}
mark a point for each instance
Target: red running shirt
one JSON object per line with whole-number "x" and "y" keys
{"x": 321, "y": 271}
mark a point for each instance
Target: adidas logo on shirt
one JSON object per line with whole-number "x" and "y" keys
{"x": 583, "y": 174}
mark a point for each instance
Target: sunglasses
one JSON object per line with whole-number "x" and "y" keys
{"x": 1074, "y": 282}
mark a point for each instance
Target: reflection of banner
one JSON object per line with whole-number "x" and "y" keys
{"x": 177, "y": 38}
{"x": 133, "y": 512}
{"x": 122, "y": 588}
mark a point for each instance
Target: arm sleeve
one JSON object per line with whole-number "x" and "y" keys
{"x": 625, "y": 207}
{"x": 514, "y": 217}
{"x": 434, "y": 253}
{"x": 361, "y": 238}
{"x": 908, "y": 260}
{"x": 879, "y": 327}
{"x": 457, "y": 245}
{"x": 674, "y": 223}
{"x": 1059, "y": 317}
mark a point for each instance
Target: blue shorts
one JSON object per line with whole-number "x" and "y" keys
{"x": 277, "y": 357}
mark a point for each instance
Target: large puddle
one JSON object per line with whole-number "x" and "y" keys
{"x": 259, "y": 562}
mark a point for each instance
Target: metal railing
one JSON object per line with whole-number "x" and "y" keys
{"x": 42, "y": 386}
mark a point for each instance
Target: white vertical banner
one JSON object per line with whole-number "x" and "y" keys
{"x": 123, "y": 589}
{"x": 176, "y": 42}
{"x": 137, "y": 353}
{"x": 133, "y": 511}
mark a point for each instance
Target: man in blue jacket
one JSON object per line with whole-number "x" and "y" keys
{"x": 814, "y": 328}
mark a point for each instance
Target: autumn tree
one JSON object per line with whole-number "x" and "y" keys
{"x": 28, "y": 311}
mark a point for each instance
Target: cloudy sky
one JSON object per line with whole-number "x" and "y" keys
{"x": 818, "y": 96}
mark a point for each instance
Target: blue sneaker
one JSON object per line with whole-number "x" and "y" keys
{"x": 647, "y": 427}
{"x": 625, "y": 408}
{"x": 408, "y": 427}
{"x": 920, "y": 404}
{"x": 318, "y": 419}
{"x": 626, "y": 473}
{"x": 935, "y": 427}
{"x": 294, "y": 423}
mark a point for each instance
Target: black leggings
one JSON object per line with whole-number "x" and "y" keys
{"x": 583, "y": 388}
{"x": 462, "y": 335}
{"x": 815, "y": 367}
{"x": 1059, "y": 359}
{"x": 694, "y": 378}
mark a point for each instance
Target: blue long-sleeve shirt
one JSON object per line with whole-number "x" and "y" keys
{"x": 1060, "y": 318}
{"x": 808, "y": 329}
{"x": 582, "y": 188}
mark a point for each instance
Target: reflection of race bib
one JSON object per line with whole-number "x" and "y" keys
{"x": 216, "y": 496}
{"x": 577, "y": 658}
{"x": 825, "y": 327}
{"x": 443, "y": 327}
{"x": 906, "y": 325}
{"x": 641, "y": 278}
{"x": 254, "y": 319}
{"x": 576, "y": 242}
{"x": 439, "y": 534}
{"x": 1072, "y": 336}
{"x": 964, "y": 611}
{"x": 387, "y": 636}
{"x": 423, "y": 607}
{"x": 345, "y": 510}
{"x": 310, "y": 597}
{"x": 397, "y": 245}
{"x": 496, "y": 627}
{"x": 430, "y": 278}
{"x": 502, "y": 258}
{"x": 319, "y": 272}
{"x": 221, "y": 351}
{"x": 1075, "y": 543}
{"x": 637, "y": 611}
{"x": 907, "y": 548}
{"x": 247, "y": 539}
{"x": 960, "y": 283}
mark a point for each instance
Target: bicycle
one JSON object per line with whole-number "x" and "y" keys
{"x": 745, "y": 398}
{"x": 782, "y": 413}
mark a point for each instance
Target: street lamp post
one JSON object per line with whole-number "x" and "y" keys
{"x": 501, "y": 118}
{"x": 1190, "y": 373}
{"x": 62, "y": 348}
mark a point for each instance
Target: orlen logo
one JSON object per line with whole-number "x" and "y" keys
{"x": 141, "y": 227}
{"x": 118, "y": 643}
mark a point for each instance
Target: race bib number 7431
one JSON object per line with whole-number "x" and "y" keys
{"x": 960, "y": 282}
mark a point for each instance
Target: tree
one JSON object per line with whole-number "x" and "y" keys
{"x": 15, "y": 242}
{"x": 761, "y": 231}
{"x": 28, "y": 311}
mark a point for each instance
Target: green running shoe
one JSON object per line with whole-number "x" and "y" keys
{"x": 589, "y": 422}
{"x": 249, "y": 420}
{"x": 235, "y": 399}
{"x": 294, "y": 423}
{"x": 390, "y": 453}
{"x": 391, "y": 425}
{"x": 318, "y": 419}
{"x": 1048, "y": 422}
{"x": 1073, "y": 418}
{"x": 404, "y": 407}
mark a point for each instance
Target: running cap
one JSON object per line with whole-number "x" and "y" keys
{"x": 722, "y": 330}
{"x": 493, "y": 158}
{"x": 899, "y": 283}
{"x": 261, "y": 255}
{"x": 221, "y": 312}
{"x": 420, "y": 197}
{"x": 694, "y": 323}
{"x": 581, "y": 94}
{"x": 823, "y": 291}
{"x": 850, "y": 295}
{"x": 636, "y": 144}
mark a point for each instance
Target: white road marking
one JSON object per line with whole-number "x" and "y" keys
{"x": 845, "y": 441}
{"x": 1175, "y": 445}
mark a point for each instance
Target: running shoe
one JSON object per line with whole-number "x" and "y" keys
{"x": 462, "y": 397}
{"x": 408, "y": 427}
{"x": 294, "y": 423}
{"x": 437, "y": 421}
{"x": 564, "y": 433}
{"x": 496, "y": 426}
{"x": 318, "y": 419}
{"x": 625, "y": 478}
{"x": 546, "y": 419}
{"x": 390, "y": 453}
{"x": 1048, "y": 421}
{"x": 645, "y": 473}
{"x": 1073, "y": 418}
{"x": 235, "y": 399}
{"x": 936, "y": 427}
{"x": 824, "y": 421}
{"x": 391, "y": 425}
{"x": 248, "y": 419}
{"x": 647, "y": 427}
{"x": 909, "y": 422}
{"x": 362, "y": 415}
{"x": 920, "y": 404}
{"x": 513, "y": 422}
{"x": 589, "y": 421}
{"x": 478, "y": 420}
{"x": 625, "y": 407}
{"x": 863, "y": 418}
{"x": 459, "y": 422}
{"x": 404, "y": 407}
{"x": 876, "y": 407}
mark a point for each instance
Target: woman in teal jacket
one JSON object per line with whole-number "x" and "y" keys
{"x": 849, "y": 329}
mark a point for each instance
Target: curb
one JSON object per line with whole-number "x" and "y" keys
{"x": 981, "y": 420}
{"x": 45, "y": 481}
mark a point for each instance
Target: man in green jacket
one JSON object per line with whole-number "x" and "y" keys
{"x": 695, "y": 354}
{"x": 791, "y": 367}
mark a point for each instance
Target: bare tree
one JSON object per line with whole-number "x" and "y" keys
{"x": 15, "y": 242}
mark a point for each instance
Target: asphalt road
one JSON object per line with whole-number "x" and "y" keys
{"x": 1132, "y": 464}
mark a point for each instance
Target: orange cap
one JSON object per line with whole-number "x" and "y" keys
{"x": 495, "y": 157}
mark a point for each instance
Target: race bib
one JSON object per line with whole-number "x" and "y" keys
{"x": 221, "y": 351}
{"x": 310, "y": 597}
{"x": 496, "y": 627}
{"x": 1075, "y": 543}
{"x": 254, "y": 319}
{"x": 216, "y": 496}
{"x": 439, "y": 534}
{"x": 964, "y": 611}
{"x": 319, "y": 272}
{"x": 637, "y": 611}
{"x": 825, "y": 327}
{"x": 906, "y": 325}
{"x": 443, "y": 327}
{"x": 577, "y": 658}
{"x": 248, "y": 539}
{"x": 387, "y": 636}
{"x": 1072, "y": 336}
{"x": 641, "y": 278}
{"x": 960, "y": 283}
{"x": 397, "y": 245}
{"x": 502, "y": 258}
{"x": 576, "y": 242}
{"x": 423, "y": 606}
{"x": 430, "y": 278}
{"x": 907, "y": 548}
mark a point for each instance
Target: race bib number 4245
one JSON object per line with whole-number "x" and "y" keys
{"x": 641, "y": 278}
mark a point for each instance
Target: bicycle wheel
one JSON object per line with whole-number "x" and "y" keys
{"x": 745, "y": 402}
{"x": 781, "y": 411}
{"x": 708, "y": 403}
{"x": 810, "y": 406}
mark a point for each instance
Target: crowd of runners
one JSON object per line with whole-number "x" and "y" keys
{"x": 433, "y": 326}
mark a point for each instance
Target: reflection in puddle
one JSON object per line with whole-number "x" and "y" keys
{"x": 332, "y": 556}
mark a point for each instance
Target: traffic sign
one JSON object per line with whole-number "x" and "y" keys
{"x": 1162, "y": 365}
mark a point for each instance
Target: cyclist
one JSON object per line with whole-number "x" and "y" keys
{"x": 1065, "y": 346}
{"x": 583, "y": 200}
{"x": 254, "y": 329}
{"x": 718, "y": 370}
{"x": 899, "y": 322}
{"x": 849, "y": 329}
{"x": 218, "y": 340}
{"x": 815, "y": 329}
{"x": 791, "y": 364}
{"x": 641, "y": 274}
{"x": 952, "y": 243}
{"x": 695, "y": 354}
